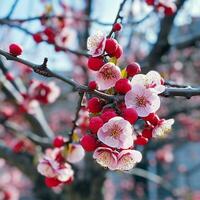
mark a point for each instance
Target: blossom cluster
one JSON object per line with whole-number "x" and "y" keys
{"x": 111, "y": 129}
{"x": 167, "y": 7}
{"x": 54, "y": 164}
{"x": 41, "y": 92}
{"x": 115, "y": 128}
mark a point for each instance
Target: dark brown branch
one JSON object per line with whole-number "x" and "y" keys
{"x": 173, "y": 84}
{"x": 181, "y": 92}
{"x": 118, "y": 16}
{"x": 44, "y": 70}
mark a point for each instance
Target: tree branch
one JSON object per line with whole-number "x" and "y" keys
{"x": 118, "y": 16}
{"x": 43, "y": 70}
{"x": 65, "y": 49}
{"x": 162, "y": 44}
{"x": 12, "y": 9}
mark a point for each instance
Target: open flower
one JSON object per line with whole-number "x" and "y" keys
{"x": 117, "y": 133}
{"x": 107, "y": 76}
{"x": 106, "y": 157}
{"x": 44, "y": 92}
{"x": 143, "y": 100}
{"x": 127, "y": 159}
{"x": 163, "y": 128}
{"x": 51, "y": 168}
{"x": 48, "y": 164}
{"x": 96, "y": 43}
{"x": 75, "y": 153}
{"x": 151, "y": 80}
{"x": 65, "y": 173}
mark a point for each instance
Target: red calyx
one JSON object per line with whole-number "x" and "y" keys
{"x": 15, "y": 49}
{"x": 107, "y": 115}
{"x": 95, "y": 63}
{"x": 117, "y": 27}
{"x": 94, "y": 105}
{"x": 92, "y": 85}
{"x": 88, "y": 142}
{"x": 95, "y": 124}
{"x": 52, "y": 182}
{"x": 122, "y": 86}
{"x": 58, "y": 141}
{"x": 150, "y": 2}
{"x": 118, "y": 53}
{"x": 152, "y": 118}
{"x": 130, "y": 115}
{"x": 147, "y": 132}
{"x": 9, "y": 76}
{"x": 37, "y": 37}
{"x": 141, "y": 140}
{"x": 133, "y": 69}
{"x": 111, "y": 46}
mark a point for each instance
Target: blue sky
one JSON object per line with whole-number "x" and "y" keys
{"x": 104, "y": 10}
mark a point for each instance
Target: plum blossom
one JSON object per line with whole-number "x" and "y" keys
{"x": 117, "y": 133}
{"x": 96, "y": 43}
{"x": 127, "y": 159}
{"x": 106, "y": 157}
{"x": 75, "y": 153}
{"x": 107, "y": 76}
{"x": 44, "y": 92}
{"x": 163, "y": 128}
{"x": 151, "y": 80}
{"x": 51, "y": 168}
{"x": 143, "y": 100}
{"x": 48, "y": 164}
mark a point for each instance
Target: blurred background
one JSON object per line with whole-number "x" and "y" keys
{"x": 169, "y": 44}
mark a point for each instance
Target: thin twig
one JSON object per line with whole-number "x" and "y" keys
{"x": 118, "y": 16}
{"x": 65, "y": 49}
{"x": 12, "y": 9}
{"x": 79, "y": 105}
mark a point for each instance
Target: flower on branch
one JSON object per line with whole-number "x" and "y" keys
{"x": 107, "y": 76}
{"x": 117, "y": 133}
{"x": 144, "y": 101}
{"x": 96, "y": 43}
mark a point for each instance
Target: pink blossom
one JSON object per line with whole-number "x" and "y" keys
{"x": 117, "y": 133}
{"x": 51, "y": 168}
{"x": 151, "y": 80}
{"x": 143, "y": 100}
{"x": 75, "y": 153}
{"x": 65, "y": 173}
{"x": 163, "y": 128}
{"x": 48, "y": 165}
{"x": 107, "y": 76}
{"x": 44, "y": 92}
{"x": 96, "y": 43}
{"x": 127, "y": 159}
{"x": 106, "y": 157}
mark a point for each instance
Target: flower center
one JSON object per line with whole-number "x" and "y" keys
{"x": 115, "y": 131}
{"x": 104, "y": 159}
{"x": 107, "y": 74}
{"x": 141, "y": 101}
